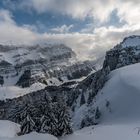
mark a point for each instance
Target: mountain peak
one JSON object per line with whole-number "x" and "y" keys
{"x": 131, "y": 41}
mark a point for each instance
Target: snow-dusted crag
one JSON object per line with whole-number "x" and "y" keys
{"x": 49, "y": 64}
{"x": 123, "y": 54}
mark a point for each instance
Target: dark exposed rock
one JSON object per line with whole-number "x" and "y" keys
{"x": 25, "y": 80}
{"x": 5, "y": 64}
{"x": 1, "y": 80}
{"x": 121, "y": 56}
{"x": 91, "y": 117}
{"x": 111, "y": 59}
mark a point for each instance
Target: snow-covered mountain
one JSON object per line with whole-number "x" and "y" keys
{"x": 90, "y": 88}
{"x": 25, "y": 55}
{"x": 34, "y": 67}
{"x": 125, "y": 53}
{"x": 107, "y": 98}
{"x": 57, "y": 61}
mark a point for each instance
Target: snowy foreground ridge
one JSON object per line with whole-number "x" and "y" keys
{"x": 100, "y": 132}
{"x": 107, "y": 132}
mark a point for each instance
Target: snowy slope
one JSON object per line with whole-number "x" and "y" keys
{"x": 107, "y": 132}
{"x": 35, "y": 136}
{"x": 9, "y": 130}
{"x": 9, "y": 92}
{"x": 122, "y": 92}
{"x": 21, "y": 54}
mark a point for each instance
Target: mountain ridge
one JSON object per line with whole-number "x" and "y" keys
{"x": 87, "y": 100}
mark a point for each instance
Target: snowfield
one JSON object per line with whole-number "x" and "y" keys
{"x": 9, "y": 92}
{"x": 35, "y": 136}
{"x": 107, "y": 132}
{"x": 122, "y": 92}
{"x": 9, "y": 130}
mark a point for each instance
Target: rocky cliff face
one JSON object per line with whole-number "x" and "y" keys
{"x": 21, "y": 58}
{"x": 125, "y": 53}
{"x": 48, "y": 64}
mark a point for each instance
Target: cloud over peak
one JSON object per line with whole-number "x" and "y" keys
{"x": 90, "y": 40}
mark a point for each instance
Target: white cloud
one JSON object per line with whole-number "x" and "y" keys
{"x": 108, "y": 37}
{"x": 10, "y": 32}
{"x": 129, "y": 11}
{"x": 6, "y": 16}
{"x": 100, "y": 10}
{"x": 82, "y": 44}
{"x": 92, "y": 45}
{"x": 75, "y": 8}
{"x": 62, "y": 29}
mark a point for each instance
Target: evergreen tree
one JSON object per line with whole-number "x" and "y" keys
{"x": 97, "y": 113}
{"x": 91, "y": 117}
{"x": 47, "y": 119}
{"x": 82, "y": 101}
{"x": 27, "y": 125}
{"x": 1, "y": 80}
{"x": 24, "y": 115}
{"x": 28, "y": 119}
{"x": 91, "y": 96}
{"x": 41, "y": 115}
{"x": 62, "y": 116}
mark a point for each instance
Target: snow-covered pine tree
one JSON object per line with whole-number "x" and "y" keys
{"x": 97, "y": 113}
{"x": 24, "y": 115}
{"x": 82, "y": 101}
{"x": 28, "y": 123}
{"x": 47, "y": 120}
{"x": 42, "y": 115}
{"x": 92, "y": 116}
{"x": 16, "y": 113}
{"x": 91, "y": 96}
{"x": 1, "y": 80}
{"x": 62, "y": 117}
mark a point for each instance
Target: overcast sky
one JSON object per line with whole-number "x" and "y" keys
{"x": 90, "y": 27}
